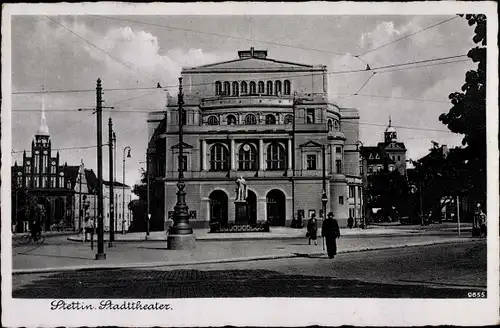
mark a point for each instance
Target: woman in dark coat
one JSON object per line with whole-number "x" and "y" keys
{"x": 330, "y": 231}
{"x": 312, "y": 229}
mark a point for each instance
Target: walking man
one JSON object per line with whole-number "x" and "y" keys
{"x": 330, "y": 231}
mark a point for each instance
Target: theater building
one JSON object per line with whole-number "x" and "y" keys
{"x": 268, "y": 121}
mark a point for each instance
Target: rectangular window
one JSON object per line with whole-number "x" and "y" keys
{"x": 351, "y": 192}
{"x": 399, "y": 158}
{"x": 310, "y": 116}
{"x": 341, "y": 200}
{"x": 184, "y": 163}
{"x": 338, "y": 150}
{"x": 338, "y": 166}
{"x": 311, "y": 162}
{"x": 351, "y": 212}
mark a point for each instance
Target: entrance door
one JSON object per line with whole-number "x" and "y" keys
{"x": 252, "y": 207}
{"x": 218, "y": 207}
{"x": 276, "y": 208}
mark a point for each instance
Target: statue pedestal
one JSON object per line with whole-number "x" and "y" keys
{"x": 241, "y": 216}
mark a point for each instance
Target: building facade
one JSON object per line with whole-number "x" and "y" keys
{"x": 56, "y": 187}
{"x": 123, "y": 196}
{"x": 267, "y": 121}
{"x": 388, "y": 155}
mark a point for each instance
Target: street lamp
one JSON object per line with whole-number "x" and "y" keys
{"x": 123, "y": 187}
{"x": 181, "y": 234}
{"x": 359, "y": 149}
{"x": 324, "y": 198}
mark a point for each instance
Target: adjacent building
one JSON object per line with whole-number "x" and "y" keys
{"x": 268, "y": 121}
{"x": 68, "y": 193}
{"x": 54, "y": 185}
{"x": 389, "y": 155}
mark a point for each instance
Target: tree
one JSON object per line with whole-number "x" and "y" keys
{"x": 388, "y": 191}
{"x": 467, "y": 116}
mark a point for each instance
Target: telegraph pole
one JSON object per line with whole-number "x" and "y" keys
{"x": 80, "y": 213}
{"x": 100, "y": 230}
{"x": 111, "y": 186}
{"x": 148, "y": 215}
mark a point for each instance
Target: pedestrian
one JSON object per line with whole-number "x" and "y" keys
{"x": 89, "y": 228}
{"x": 330, "y": 231}
{"x": 36, "y": 222}
{"x": 482, "y": 223}
{"x": 312, "y": 229}
{"x": 350, "y": 222}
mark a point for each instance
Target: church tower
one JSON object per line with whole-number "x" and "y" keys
{"x": 41, "y": 152}
{"x": 390, "y": 134}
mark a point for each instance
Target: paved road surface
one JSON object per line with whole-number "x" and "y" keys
{"x": 439, "y": 271}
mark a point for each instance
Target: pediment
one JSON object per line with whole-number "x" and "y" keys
{"x": 185, "y": 145}
{"x": 249, "y": 64}
{"x": 311, "y": 144}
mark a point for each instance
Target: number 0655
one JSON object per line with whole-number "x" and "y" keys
{"x": 476, "y": 294}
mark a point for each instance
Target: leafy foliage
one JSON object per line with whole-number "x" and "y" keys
{"x": 467, "y": 116}
{"x": 389, "y": 191}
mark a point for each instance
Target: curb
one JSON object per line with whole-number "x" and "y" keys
{"x": 230, "y": 260}
{"x": 250, "y": 238}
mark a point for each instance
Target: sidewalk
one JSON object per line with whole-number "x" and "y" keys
{"x": 79, "y": 256}
{"x": 276, "y": 233}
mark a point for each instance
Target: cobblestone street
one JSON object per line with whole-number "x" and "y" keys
{"x": 306, "y": 277}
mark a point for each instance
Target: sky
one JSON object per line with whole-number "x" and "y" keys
{"x": 71, "y": 52}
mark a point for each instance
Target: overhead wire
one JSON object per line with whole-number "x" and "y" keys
{"x": 102, "y": 50}
{"x": 284, "y": 76}
{"x": 221, "y": 35}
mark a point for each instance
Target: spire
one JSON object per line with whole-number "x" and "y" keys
{"x": 43, "y": 129}
{"x": 390, "y": 121}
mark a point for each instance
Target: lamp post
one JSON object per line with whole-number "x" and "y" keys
{"x": 324, "y": 198}
{"x": 359, "y": 149}
{"x": 111, "y": 186}
{"x": 181, "y": 234}
{"x": 123, "y": 187}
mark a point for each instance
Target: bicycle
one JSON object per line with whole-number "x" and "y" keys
{"x": 26, "y": 239}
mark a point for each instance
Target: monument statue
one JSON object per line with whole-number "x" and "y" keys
{"x": 241, "y": 191}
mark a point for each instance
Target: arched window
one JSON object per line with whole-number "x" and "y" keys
{"x": 330, "y": 125}
{"x": 213, "y": 120}
{"x": 275, "y": 157}
{"x": 252, "y": 88}
{"x": 287, "y": 87}
{"x": 247, "y": 158}
{"x": 277, "y": 87}
{"x": 288, "y": 119}
{"x": 218, "y": 88}
{"x": 231, "y": 119}
{"x": 261, "y": 87}
{"x": 270, "y": 119}
{"x": 250, "y": 119}
{"x": 244, "y": 89}
{"x": 236, "y": 88}
{"x": 336, "y": 125}
{"x": 219, "y": 158}
{"x": 269, "y": 87}
{"x": 226, "y": 89}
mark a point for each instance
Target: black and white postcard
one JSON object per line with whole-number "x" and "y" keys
{"x": 250, "y": 164}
